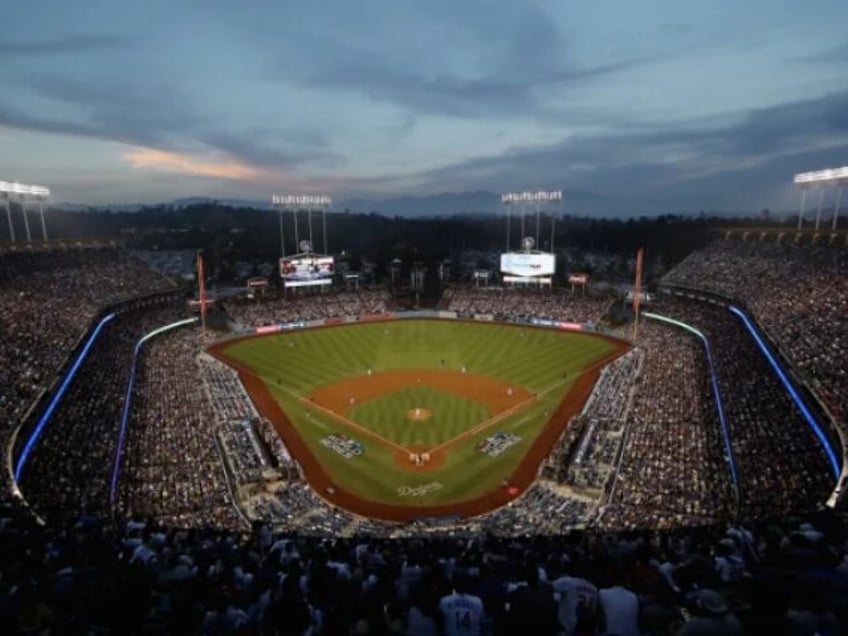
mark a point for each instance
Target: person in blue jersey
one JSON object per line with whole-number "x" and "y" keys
{"x": 462, "y": 612}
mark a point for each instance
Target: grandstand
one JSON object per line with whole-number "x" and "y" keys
{"x": 693, "y": 465}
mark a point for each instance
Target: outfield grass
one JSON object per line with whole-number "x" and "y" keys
{"x": 295, "y": 363}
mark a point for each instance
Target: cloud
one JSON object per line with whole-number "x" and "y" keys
{"x": 155, "y": 113}
{"x": 760, "y": 149}
{"x": 836, "y": 54}
{"x": 487, "y": 63}
{"x": 185, "y": 164}
{"x": 63, "y": 45}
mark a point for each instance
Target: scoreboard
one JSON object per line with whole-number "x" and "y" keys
{"x": 528, "y": 264}
{"x": 307, "y": 269}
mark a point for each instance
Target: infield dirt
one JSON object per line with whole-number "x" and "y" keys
{"x": 496, "y": 394}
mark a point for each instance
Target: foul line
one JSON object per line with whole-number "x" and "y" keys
{"x": 350, "y": 423}
{"x": 517, "y": 408}
{"x": 310, "y": 404}
{"x": 482, "y": 426}
{"x": 474, "y": 430}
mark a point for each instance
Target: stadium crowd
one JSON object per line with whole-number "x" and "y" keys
{"x": 524, "y": 304}
{"x": 585, "y": 454}
{"x": 89, "y": 576}
{"x": 797, "y": 293}
{"x": 183, "y": 564}
{"x": 331, "y": 304}
{"x": 70, "y": 466}
{"x": 781, "y": 465}
{"x": 172, "y": 468}
{"x": 672, "y": 469}
{"x": 48, "y": 301}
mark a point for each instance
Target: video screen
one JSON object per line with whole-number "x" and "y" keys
{"x": 528, "y": 265}
{"x": 306, "y": 268}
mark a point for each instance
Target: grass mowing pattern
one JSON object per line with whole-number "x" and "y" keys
{"x": 293, "y": 364}
{"x": 386, "y": 416}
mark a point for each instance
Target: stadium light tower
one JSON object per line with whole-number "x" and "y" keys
{"x": 25, "y": 194}
{"x": 296, "y": 202}
{"x": 822, "y": 180}
{"x": 523, "y": 199}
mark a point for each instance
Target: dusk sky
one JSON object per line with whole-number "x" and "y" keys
{"x": 114, "y": 102}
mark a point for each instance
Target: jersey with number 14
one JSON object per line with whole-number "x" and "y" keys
{"x": 462, "y": 614}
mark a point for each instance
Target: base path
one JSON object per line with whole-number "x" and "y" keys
{"x": 497, "y": 395}
{"x": 335, "y": 494}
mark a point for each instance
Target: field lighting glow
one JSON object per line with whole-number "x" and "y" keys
{"x": 20, "y": 188}
{"x": 301, "y": 199}
{"x": 532, "y": 197}
{"x": 821, "y": 176}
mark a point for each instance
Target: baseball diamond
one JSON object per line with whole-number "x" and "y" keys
{"x": 419, "y": 396}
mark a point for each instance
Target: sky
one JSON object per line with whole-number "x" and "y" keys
{"x": 721, "y": 101}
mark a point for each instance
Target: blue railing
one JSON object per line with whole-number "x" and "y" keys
{"x": 57, "y": 398}
{"x": 125, "y": 414}
{"x": 793, "y": 392}
{"x": 725, "y": 434}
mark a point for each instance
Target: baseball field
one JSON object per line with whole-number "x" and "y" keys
{"x": 408, "y": 419}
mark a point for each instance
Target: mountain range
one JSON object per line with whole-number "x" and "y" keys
{"x": 461, "y": 203}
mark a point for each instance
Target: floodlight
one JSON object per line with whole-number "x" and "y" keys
{"x": 296, "y": 202}
{"x": 26, "y": 190}
{"x": 531, "y": 197}
{"x": 821, "y": 176}
{"x": 301, "y": 199}
{"x": 822, "y": 179}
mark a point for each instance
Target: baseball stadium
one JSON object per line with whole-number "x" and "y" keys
{"x": 424, "y": 319}
{"x": 523, "y": 401}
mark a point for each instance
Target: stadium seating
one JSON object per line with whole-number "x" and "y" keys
{"x": 216, "y": 532}
{"x": 799, "y": 296}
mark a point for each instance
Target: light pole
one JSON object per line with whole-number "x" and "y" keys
{"x": 523, "y": 199}
{"x": 823, "y": 179}
{"x": 296, "y": 202}
{"x": 26, "y": 194}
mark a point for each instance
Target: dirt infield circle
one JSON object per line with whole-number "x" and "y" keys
{"x": 497, "y": 395}
{"x": 419, "y": 414}
{"x": 335, "y": 493}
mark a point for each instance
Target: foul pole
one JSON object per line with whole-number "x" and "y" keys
{"x": 201, "y": 288}
{"x": 637, "y": 291}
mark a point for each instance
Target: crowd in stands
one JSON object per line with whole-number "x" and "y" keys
{"x": 797, "y": 293}
{"x": 70, "y": 466}
{"x": 781, "y": 464}
{"x": 172, "y": 469}
{"x": 314, "y": 306}
{"x": 501, "y": 302}
{"x": 585, "y": 454}
{"x": 175, "y": 264}
{"x": 89, "y": 576}
{"x": 672, "y": 469}
{"x": 184, "y": 563}
{"x": 48, "y": 301}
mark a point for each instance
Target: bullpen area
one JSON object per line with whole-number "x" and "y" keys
{"x": 415, "y": 419}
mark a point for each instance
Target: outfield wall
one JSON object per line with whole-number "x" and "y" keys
{"x": 418, "y": 315}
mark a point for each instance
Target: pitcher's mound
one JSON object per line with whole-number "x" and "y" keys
{"x": 419, "y": 414}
